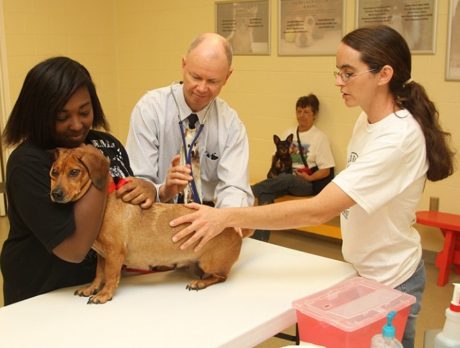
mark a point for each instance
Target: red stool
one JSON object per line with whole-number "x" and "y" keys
{"x": 450, "y": 253}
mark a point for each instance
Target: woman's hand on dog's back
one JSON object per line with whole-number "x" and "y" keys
{"x": 204, "y": 224}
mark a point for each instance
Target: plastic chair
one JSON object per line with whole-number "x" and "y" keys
{"x": 450, "y": 254}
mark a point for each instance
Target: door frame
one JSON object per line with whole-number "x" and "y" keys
{"x": 4, "y": 107}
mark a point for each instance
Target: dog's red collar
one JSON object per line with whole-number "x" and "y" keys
{"x": 113, "y": 187}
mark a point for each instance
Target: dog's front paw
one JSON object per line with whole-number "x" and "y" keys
{"x": 98, "y": 299}
{"x": 86, "y": 291}
{"x": 101, "y": 297}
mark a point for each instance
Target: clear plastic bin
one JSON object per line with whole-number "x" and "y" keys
{"x": 350, "y": 313}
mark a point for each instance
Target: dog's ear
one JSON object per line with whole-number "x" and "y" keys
{"x": 96, "y": 163}
{"x": 54, "y": 153}
{"x": 290, "y": 138}
{"x": 276, "y": 139}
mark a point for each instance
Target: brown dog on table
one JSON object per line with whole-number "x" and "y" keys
{"x": 137, "y": 238}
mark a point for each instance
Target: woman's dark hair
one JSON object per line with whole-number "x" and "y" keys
{"x": 381, "y": 45}
{"x": 308, "y": 100}
{"x": 46, "y": 89}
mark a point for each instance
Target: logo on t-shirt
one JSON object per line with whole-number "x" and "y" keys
{"x": 295, "y": 153}
{"x": 109, "y": 148}
{"x": 353, "y": 157}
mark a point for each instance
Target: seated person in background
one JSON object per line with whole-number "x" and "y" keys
{"x": 49, "y": 244}
{"x": 312, "y": 161}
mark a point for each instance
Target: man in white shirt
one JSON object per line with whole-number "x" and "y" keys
{"x": 159, "y": 123}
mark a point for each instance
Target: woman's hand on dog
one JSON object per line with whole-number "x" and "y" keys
{"x": 176, "y": 180}
{"x": 137, "y": 191}
{"x": 205, "y": 224}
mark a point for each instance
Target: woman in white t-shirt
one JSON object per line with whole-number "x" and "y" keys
{"x": 312, "y": 161}
{"x": 397, "y": 143}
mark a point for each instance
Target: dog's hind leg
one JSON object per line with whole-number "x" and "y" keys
{"x": 112, "y": 272}
{"x": 98, "y": 281}
{"x": 216, "y": 264}
{"x": 200, "y": 284}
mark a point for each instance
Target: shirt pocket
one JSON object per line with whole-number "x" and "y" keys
{"x": 209, "y": 165}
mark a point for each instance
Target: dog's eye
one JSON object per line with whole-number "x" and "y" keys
{"x": 54, "y": 172}
{"x": 74, "y": 172}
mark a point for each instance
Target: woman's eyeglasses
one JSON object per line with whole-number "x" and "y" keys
{"x": 347, "y": 76}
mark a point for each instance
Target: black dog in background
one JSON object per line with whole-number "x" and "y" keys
{"x": 281, "y": 160}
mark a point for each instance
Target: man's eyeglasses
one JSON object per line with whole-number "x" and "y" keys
{"x": 347, "y": 76}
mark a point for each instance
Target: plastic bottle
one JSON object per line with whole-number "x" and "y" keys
{"x": 449, "y": 337}
{"x": 387, "y": 338}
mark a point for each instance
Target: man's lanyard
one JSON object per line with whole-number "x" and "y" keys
{"x": 188, "y": 157}
{"x": 188, "y": 153}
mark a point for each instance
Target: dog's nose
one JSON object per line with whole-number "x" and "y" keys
{"x": 57, "y": 195}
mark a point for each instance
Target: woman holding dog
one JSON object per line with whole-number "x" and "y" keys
{"x": 312, "y": 161}
{"x": 396, "y": 145}
{"x": 49, "y": 244}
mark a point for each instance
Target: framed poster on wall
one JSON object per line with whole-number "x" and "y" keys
{"x": 453, "y": 42}
{"x": 310, "y": 27}
{"x": 246, "y": 24}
{"x": 415, "y": 20}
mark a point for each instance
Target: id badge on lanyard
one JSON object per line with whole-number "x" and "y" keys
{"x": 188, "y": 152}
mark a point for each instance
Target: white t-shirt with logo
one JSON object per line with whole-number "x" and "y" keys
{"x": 385, "y": 176}
{"x": 316, "y": 149}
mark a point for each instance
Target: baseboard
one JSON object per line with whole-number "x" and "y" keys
{"x": 429, "y": 256}
{"x": 317, "y": 236}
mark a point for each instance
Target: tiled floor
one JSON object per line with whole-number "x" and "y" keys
{"x": 436, "y": 299}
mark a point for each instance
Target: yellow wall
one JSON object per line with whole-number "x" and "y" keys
{"x": 131, "y": 46}
{"x": 83, "y": 30}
